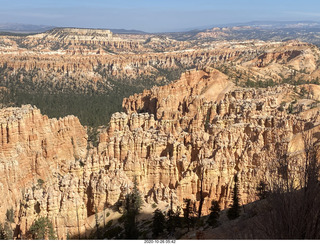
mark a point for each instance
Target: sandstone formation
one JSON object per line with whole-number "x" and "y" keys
{"x": 79, "y": 58}
{"x": 35, "y": 149}
{"x": 201, "y": 129}
{"x": 176, "y": 99}
{"x": 81, "y": 34}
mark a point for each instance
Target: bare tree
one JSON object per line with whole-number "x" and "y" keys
{"x": 292, "y": 210}
{"x": 201, "y": 193}
{"x": 78, "y": 224}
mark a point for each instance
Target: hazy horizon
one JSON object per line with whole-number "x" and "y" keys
{"x": 153, "y": 16}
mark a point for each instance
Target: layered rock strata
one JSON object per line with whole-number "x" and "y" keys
{"x": 95, "y": 62}
{"x": 198, "y": 131}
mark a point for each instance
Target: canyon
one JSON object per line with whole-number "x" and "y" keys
{"x": 81, "y": 64}
{"x": 89, "y": 59}
{"x": 200, "y": 130}
{"x": 204, "y": 111}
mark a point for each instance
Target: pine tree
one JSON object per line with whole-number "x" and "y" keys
{"x": 6, "y": 232}
{"x": 234, "y": 211}
{"x": 133, "y": 204}
{"x": 158, "y": 223}
{"x": 136, "y": 196}
{"x": 97, "y": 223}
{"x": 3, "y": 234}
{"x": 201, "y": 194}
{"x": 170, "y": 222}
{"x": 78, "y": 224}
{"x": 173, "y": 220}
{"x": 214, "y": 214}
{"x": 10, "y": 215}
{"x": 262, "y": 191}
{"x": 187, "y": 211}
{"x": 42, "y": 229}
{"x": 130, "y": 213}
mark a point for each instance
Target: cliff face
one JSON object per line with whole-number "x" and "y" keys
{"x": 76, "y": 59}
{"x": 173, "y": 101}
{"x": 79, "y": 34}
{"x": 199, "y": 130}
{"x": 208, "y": 129}
{"x": 35, "y": 149}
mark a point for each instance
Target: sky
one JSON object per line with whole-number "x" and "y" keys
{"x": 154, "y": 16}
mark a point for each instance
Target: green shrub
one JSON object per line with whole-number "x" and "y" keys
{"x": 40, "y": 183}
{"x": 6, "y": 232}
{"x": 10, "y": 215}
{"x": 42, "y": 229}
{"x": 109, "y": 224}
{"x": 113, "y": 233}
{"x": 234, "y": 210}
{"x": 158, "y": 223}
{"x": 214, "y": 214}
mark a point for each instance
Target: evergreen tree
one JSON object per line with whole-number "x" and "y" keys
{"x": 8, "y": 231}
{"x": 201, "y": 194}
{"x": 214, "y": 214}
{"x": 262, "y": 191}
{"x": 137, "y": 196}
{"x": 130, "y": 225}
{"x": 173, "y": 220}
{"x": 234, "y": 210}
{"x": 42, "y": 229}
{"x": 170, "y": 222}
{"x": 10, "y": 215}
{"x": 133, "y": 204}
{"x": 97, "y": 223}
{"x": 158, "y": 223}
{"x": 2, "y": 236}
{"x": 187, "y": 211}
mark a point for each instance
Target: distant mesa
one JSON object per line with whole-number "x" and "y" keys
{"x": 29, "y": 29}
{"x": 124, "y": 31}
{"x": 81, "y": 33}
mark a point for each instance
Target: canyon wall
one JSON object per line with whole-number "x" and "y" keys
{"x": 35, "y": 150}
{"x": 67, "y": 58}
{"x": 198, "y": 131}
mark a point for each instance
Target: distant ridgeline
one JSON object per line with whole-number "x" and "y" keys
{"x": 88, "y": 72}
{"x": 81, "y": 34}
